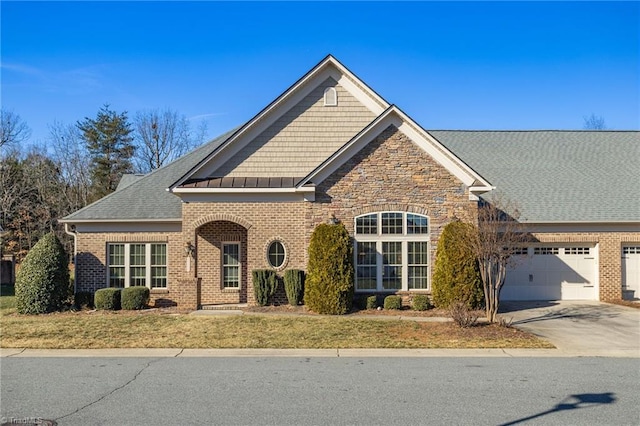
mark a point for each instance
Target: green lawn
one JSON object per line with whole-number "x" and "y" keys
{"x": 169, "y": 329}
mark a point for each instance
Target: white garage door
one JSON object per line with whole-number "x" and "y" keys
{"x": 553, "y": 273}
{"x": 631, "y": 272}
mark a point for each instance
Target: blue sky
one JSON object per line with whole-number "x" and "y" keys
{"x": 454, "y": 65}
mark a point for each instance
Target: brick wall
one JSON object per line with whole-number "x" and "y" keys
{"x": 91, "y": 261}
{"x": 256, "y": 225}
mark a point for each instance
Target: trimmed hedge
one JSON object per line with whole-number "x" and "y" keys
{"x": 456, "y": 275}
{"x": 372, "y": 302}
{"x": 83, "y": 299}
{"x": 329, "y": 285}
{"x": 393, "y": 302}
{"x": 265, "y": 284}
{"x": 107, "y": 299}
{"x": 134, "y": 298}
{"x": 420, "y": 302}
{"x": 42, "y": 284}
{"x": 294, "y": 286}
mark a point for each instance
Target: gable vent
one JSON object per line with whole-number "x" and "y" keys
{"x": 330, "y": 97}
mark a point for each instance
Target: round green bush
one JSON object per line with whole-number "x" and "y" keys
{"x": 42, "y": 285}
{"x": 393, "y": 302}
{"x": 456, "y": 275}
{"x": 420, "y": 302}
{"x": 372, "y": 302}
{"x": 329, "y": 284}
{"x": 107, "y": 299}
{"x": 134, "y": 298}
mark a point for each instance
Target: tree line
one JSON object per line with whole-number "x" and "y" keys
{"x": 78, "y": 164}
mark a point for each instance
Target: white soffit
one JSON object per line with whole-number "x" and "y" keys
{"x": 329, "y": 67}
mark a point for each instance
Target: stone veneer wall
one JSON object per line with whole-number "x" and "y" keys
{"x": 392, "y": 173}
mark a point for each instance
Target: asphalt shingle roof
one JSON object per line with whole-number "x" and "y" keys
{"x": 147, "y": 197}
{"x": 557, "y": 176}
{"x": 552, "y": 176}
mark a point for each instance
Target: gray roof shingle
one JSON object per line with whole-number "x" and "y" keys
{"x": 557, "y": 176}
{"x": 552, "y": 176}
{"x": 147, "y": 197}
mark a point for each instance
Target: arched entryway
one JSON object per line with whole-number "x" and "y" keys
{"x": 221, "y": 262}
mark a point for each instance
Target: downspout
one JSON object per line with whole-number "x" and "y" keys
{"x": 74, "y": 234}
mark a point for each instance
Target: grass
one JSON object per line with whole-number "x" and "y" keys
{"x": 7, "y": 299}
{"x": 152, "y": 329}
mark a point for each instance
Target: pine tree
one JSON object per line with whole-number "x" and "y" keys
{"x": 110, "y": 145}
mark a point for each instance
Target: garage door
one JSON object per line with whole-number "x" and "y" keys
{"x": 631, "y": 272}
{"x": 553, "y": 273}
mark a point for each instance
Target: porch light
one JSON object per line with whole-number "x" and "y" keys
{"x": 333, "y": 220}
{"x": 189, "y": 249}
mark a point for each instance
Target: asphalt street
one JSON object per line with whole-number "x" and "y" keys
{"x": 321, "y": 390}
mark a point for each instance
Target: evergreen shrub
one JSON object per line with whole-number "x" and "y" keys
{"x": 134, "y": 298}
{"x": 83, "y": 299}
{"x": 456, "y": 275}
{"x": 107, "y": 299}
{"x": 42, "y": 284}
{"x": 329, "y": 284}
{"x": 420, "y": 302}
{"x": 393, "y": 302}
{"x": 372, "y": 302}
{"x": 294, "y": 286}
{"x": 265, "y": 284}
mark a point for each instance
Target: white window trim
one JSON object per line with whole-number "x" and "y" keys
{"x": 327, "y": 94}
{"x": 286, "y": 254}
{"x": 222, "y": 244}
{"x": 147, "y": 264}
{"x": 403, "y": 238}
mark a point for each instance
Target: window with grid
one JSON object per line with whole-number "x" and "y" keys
{"x": 231, "y": 265}
{"x": 366, "y": 266}
{"x": 158, "y": 265}
{"x": 391, "y": 251}
{"x": 392, "y": 265}
{"x": 116, "y": 265}
{"x": 417, "y": 260}
{"x": 137, "y": 264}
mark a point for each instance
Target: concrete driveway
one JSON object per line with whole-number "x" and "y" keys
{"x": 582, "y": 328}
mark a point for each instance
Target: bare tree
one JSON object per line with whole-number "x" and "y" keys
{"x": 498, "y": 237}
{"x": 73, "y": 161}
{"x": 594, "y": 122}
{"x": 12, "y": 129}
{"x": 162, "y": 136}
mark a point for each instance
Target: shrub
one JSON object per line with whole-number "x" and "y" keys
{"x": 456, "y": 276}
{"x": 420, "y": 302}
{"x": 294, "y": 286}
{"x": 134, "y": 298}
{"x": 265, "y": 284}
{"x": 372, "y": 302}
{"x": 462, "y": 315}
{"x": 42, "y": 284}
{"x": 393, "y": 302}
{"x": 83, "y": 299}
{"x": 329, "y": 284}
{"x": 107, "y": 298}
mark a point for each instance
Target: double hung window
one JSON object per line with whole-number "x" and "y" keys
{"x": 137, "y": 264}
